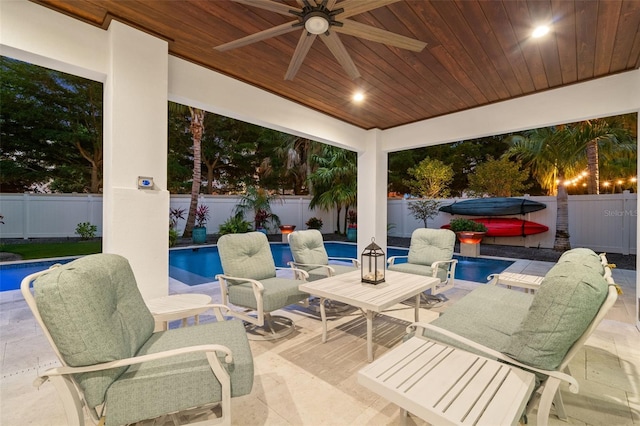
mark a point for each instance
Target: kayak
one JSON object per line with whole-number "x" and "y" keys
{"x": 496, "y": 206}
{"x": 509, "y": 227}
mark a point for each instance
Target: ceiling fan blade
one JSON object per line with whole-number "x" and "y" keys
{"x": 368, "y": 32}
{"x": 354, "y": 7}
{"x": 304, "y": 44}
{"x": 259, "y": 36}
{"x": 331, "y": 4}
{"x": 281, "y": 8}
{"x": 336, "y": 47}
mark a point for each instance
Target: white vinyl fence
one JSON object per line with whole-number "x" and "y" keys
{"x": 607, "y": 222}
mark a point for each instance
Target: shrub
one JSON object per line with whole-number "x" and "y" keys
{"x": 462, "y": 224}
{"x": 86, "y": 230}
{"x": 235, "y": 225}
{"x": 173, "y": 237}
{"x": 175, "y": 215}
{"x": 314, "y": 223}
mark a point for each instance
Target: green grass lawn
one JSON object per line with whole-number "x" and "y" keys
{"x": 46, "y": 250}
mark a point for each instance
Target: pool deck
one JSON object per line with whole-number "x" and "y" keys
{"x": 301, "y": 381}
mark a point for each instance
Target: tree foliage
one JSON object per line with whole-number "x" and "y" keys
{"x": 423, "y": 209}
{"x": 498, "y": 178}
{"x": 334, "y": 181}
{"x": 51, "y": 130}
{"x": 431, "y": 178}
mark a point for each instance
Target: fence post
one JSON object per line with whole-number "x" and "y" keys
{"x": 403, "y": 213}
{"x": 25, "y": 210}
{"x": 629, "y": 213}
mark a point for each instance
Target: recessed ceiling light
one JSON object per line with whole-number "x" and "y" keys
{"x": 540, "y": 31}
{"x": 358, "y": 97}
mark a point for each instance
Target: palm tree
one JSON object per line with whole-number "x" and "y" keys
{"x": 258, "y": 202}
{"x": 290, "y": 159}
{"x": 334, "y": 182}
{"x": 553, "y": 155}
{"x": 602, "y": 136}
{"x": 196, "y": 127}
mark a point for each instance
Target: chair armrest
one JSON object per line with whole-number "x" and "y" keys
{"x": 217, "y": 310}
{"x": 416, "y": 327}
{"x": 355, "y": 262}
{"x": 257, "y": 285}
{"x": 300, "y": 274}
{"x": 443, "y": 262}
{"x": 392, "y": 259}
{"x": 60, "y": 371}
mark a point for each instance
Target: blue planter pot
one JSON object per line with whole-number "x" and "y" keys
{"x": 352, "y": 234}
{"x": 263, "y": 230}
{"x": 199, "y": 235}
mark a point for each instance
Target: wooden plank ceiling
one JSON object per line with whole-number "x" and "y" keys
{"x": 477, "y": 53}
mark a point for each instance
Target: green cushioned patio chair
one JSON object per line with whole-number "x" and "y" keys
{"x": 250, "y": 281}
{"x": 431, "y": 255}
{"x": 115, "y": 366}
{"x": 309, "y": 253}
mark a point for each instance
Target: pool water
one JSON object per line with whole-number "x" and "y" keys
{"x": 201, "y": 265}
{"x": 11, "y": 275}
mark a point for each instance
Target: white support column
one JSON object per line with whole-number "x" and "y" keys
{"x": 637, "y": 239}
{"x": 136, "y": 221}
{"x": 372, "y": 193}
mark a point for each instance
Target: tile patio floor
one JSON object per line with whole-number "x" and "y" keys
{"x": 300, "y": 381}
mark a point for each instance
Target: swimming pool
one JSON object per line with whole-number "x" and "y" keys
{"x": 195, "y": 266}
{"x": 12, "y": 274}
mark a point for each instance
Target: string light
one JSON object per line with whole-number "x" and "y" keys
{"x": 612, "y": 183}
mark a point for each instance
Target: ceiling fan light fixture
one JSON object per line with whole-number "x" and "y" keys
{"x": 316, "y": 24}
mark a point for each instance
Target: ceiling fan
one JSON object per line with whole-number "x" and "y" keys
{"x": 324, "y": 18}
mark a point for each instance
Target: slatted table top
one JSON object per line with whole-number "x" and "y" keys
{"x": 348, "y": 288}
{"x": 178, "y": 306}
{"x": 447, "y": 386}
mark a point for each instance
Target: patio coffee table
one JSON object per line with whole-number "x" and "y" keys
{"x": 348, "y": 288}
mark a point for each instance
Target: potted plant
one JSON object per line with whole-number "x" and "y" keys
{"x": 352, "y": 227}
{"x": 260, "y": 219}
{"x": 314, "y": 223}
{"x": 199, "y": 234}
{"x": 467, "y": 230}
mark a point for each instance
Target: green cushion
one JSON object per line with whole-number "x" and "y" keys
{"x": 94, "y": 312}
{"x": 568, "y": 299}
{"x": 319, "y": 273}
{"x": 417, "y": 269}
{"x": 584, "y": 257}
{"x": 308, "y": 247}
{"x": 430, "y": 245}
{"x": 488, "y": 315}
{"x": 278, "y": 293}
{"x": 178, "y": 383}
{"x": 246, "y": 255}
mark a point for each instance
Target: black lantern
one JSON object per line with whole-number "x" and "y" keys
{"x": 372, "y": 264}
